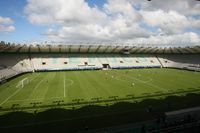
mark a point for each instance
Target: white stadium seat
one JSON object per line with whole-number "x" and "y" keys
{"x": 12, "y": 65}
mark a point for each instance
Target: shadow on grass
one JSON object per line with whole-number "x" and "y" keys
{"x": 93, "y": 116}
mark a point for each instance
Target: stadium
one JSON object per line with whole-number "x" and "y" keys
{"x": 106, "y": 79}
{"x": 100, "y": 66}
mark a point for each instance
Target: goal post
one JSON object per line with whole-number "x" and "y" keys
{"x": 22, "y": 83}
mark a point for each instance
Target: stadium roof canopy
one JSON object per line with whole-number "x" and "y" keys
{"x": 93, "y": 48}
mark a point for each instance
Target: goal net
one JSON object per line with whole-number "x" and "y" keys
{"x": 22, "y": 83}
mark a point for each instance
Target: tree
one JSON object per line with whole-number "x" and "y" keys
{"x": 2, "y": 43}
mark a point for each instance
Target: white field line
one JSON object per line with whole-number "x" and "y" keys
{"x": 122, "y": 80}
{"x": 15, "y": 92}
{"x": 68, "y": 84}
{"x": 117, "y": 78}
{"x": 71, "y": 82}
{"x": 34, "y": 99}
{"x": 38, "y": 85}
{"x": 35, "y": 77}
{"x": 25, "y": 100}
{"x": 32, "y": 78}
{"x": 64, "y": 86}
{"x": 144, "y": 82}
{"x": 38, "y": 98}
{"x": 14, "y": 85}
{"x": 148, "y": 81}
{"x": 10, "y": 96}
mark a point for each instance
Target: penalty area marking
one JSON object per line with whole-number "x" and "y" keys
{"x": 69, "y": 83}
{"x": 132, "y": 83}
{"x": 11, "y": 101}
{"x": 14, "y": 93}
{"x": 10, "y": 96}
{"x": 38, "y": 85}
{"x": 64, "y": 86}
{"x": 147, "y": 83}
{"x": 25, "y": 100}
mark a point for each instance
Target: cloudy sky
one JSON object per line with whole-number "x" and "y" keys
{"x": 156, "y": 22}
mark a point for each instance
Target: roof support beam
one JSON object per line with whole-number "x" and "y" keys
{"x": 189, "y": 50}
{"x": 159, "y": 51}
{"x": 70, "y": 48}
{"x": 60, "y": 47}
{"x": 195, "y": 50}
{"x": 89, "y": 48}
{"x": 39, "y": 50}
{"x": 136, "y": 50}
{"x": 18, "y": 50}
{"x": 98, "y": 49}
{"x": 29, "y": 48}
{"x": 79, "y": 49}
{"x": 130, "y": 49}
{"x": 114, "y": 49}
{"x": 49, "y": 48}
{"x": 178, "y": 49}
{"x": 106, "y": 49}
{"x": 141, "y": 50}
{"x": 154, "y": 50}
{"x": 171, "y": 50}
{"x": 164, "y": 50}
{"x": 146, "y": 50}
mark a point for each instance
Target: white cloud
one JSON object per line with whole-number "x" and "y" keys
{"x": 62, "y": 12}
{"x": 5, "y": 20}
{"x": 186, "y": 7}
{"x": 124, "y": 7}
{"x": 118, "y": 20}
{"x": 185, "y": 39}
{"x": 170, "y": 22}
{"x": 5, "y": 24}
{"x": 7, "y": 28}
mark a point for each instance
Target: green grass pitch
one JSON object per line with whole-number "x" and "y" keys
{"x": 68, "y": 86}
